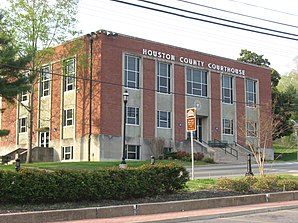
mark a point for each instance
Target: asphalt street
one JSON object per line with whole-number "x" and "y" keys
{"x": 216, "y": 171}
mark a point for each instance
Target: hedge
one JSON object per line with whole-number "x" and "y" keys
{"x": 35, "y": 186}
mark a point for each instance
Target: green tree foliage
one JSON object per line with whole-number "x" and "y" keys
{"x": 12, "y": 82}
{"x": 282, "y": 101}
{"x": 37, "y": 25}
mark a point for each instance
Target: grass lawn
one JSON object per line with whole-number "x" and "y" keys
{"x": 91, "y": 165}
{"x": 285, "y": 154}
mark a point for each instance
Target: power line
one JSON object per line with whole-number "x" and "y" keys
{"x": 269, "y": 9}
{"x": 207, "y": 21}
{"x": 236, "y": 13}
{"x": 221, "y": 19}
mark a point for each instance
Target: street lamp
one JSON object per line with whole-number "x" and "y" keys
{"x": 125, "y": 99}
{"x": 18, "y": 164}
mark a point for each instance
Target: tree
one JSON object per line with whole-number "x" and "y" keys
{"x": 281, "y": 101}
{"x": 37, "y": 25}
{"x": 12, "y": 82}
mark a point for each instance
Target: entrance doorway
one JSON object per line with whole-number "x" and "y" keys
{"x": 198, "y": 134}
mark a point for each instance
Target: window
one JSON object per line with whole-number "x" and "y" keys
{"x": 69, "y": 74}
{"x": 251, "y": 95}
{"x": 167, "y": 149}
{"x": 251, "y": 128}
{"x": 196, "y": 82}
{"x": 45, "y": 81}
{"x": 227, "y": 89}
{"x": 228, "y": 126}
{"x": 44, "y": 139}
{"x": 132, "y": 71}
{"x": 22, "y": 125}
{"x": 132, "y": 152}
{"x": 132, "y": 116}
{"x": 163, "y": 119}
{"x": 68, "y": 117}
{"x": 67, "y": 152}
{"x": 163, "y": 78}
{"x": 24, "y": 96}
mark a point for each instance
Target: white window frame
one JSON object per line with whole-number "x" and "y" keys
{"x": 163, "y": 78}
{"x": 196, "y": 87}
{"x": 68, "y": 117}
{"x": 163, "y": 119}
{"x": 132, "y": 71}
{"x": 45, "y": 83}
{"x": 251, "y": 96}
{"x": 227, "y": 89}
{"x": 24, "y": 96}
{"x": 132, "y": 152}
{"x": 133, "y": 116}
{"x": 228, "y": 126}
{"x": 23, "y": 125}
{"x": 46, "y": 139}
{"x": 69, "y": 70}
{"x": 67, "y": 152}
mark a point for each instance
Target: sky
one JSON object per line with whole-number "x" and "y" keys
{"x": 198, "y": 35}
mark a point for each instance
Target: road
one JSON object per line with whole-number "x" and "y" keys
{"x": 215, "y": 171}
{"x": 288, "y": 216}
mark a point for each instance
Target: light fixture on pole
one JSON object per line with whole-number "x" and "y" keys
{"x": 125, "y": 99}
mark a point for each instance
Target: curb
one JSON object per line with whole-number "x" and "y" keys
{"x": 152, "y": 208}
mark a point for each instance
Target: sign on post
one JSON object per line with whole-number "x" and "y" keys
{"x": 191, "y": 117}
{"x": 191, "y": 114}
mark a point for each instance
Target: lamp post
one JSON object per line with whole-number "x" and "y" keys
{"x": 125, "y": 99}
{"x": 18, "y": 164}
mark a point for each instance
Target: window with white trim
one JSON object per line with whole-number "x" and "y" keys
{"x": 44, "y": 139}
{"x": 132, "y": 152}
{"x": 251, "y": 93}
{"x": 68, "y": 117}
{"x": 251, "y": 129}
{"x": 69, "y": 74}
{"x": 132, "y": 116}
{"x": 132, "y": 71}
{"x": 22, "y": 125}
{"x": 45, "y": 81}
{"x": 67, "y": 152}
{"x": 163, "y": 119}
{"x": 227, "y": 89}
{"x": 163, "y": 77}
{"x": 196, "y": 82}
{"x": 228, "y": 126}
{"x": 24, "y": 96}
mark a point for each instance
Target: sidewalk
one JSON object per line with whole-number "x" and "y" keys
{"x": 198, "y": 214}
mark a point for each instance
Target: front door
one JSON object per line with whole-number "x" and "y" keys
{"x": 198, "y": 133}
{"x": 44, "y": 139}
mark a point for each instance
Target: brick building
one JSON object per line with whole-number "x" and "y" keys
{"x": 162, "y": 81}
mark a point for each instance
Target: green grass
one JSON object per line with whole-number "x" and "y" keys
{"x": 285, "y": 153}
{"x": 91, "y": 165}
{"x": 200, "y": 184}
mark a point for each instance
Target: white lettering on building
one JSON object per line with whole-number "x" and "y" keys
{"x": 193, "y": 62}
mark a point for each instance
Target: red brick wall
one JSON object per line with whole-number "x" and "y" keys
{"x": 215, "y": 106}
{"x": 240, "y": 108}
{"x": 149, "y": 116}
{"x": 179, "y": 125}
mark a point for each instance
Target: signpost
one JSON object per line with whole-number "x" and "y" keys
{"x": 191, "y": 116}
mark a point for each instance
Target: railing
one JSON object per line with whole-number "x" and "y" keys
{"x": 224, "y": 145}
{"x": 242, "y": 147}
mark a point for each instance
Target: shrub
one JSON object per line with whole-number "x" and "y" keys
{"x": 266, "y": 183}
{"x": 170, "y": 155}
{"x": 208, "y": 160}
{"x": 287, "y": 184}
{"x": 224, "y": 183}
{"x": 34, "y": 186}
{"x": 243, "y": 184}
{"x": 198, "y": 156}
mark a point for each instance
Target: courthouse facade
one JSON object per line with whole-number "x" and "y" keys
{"x": 231, "y": 98}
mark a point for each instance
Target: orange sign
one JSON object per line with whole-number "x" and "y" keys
{"x": 191, "y": 114}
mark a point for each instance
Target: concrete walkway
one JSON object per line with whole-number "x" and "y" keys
{"x": 172, "y": 211}
{"x": 197, "y": 214}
